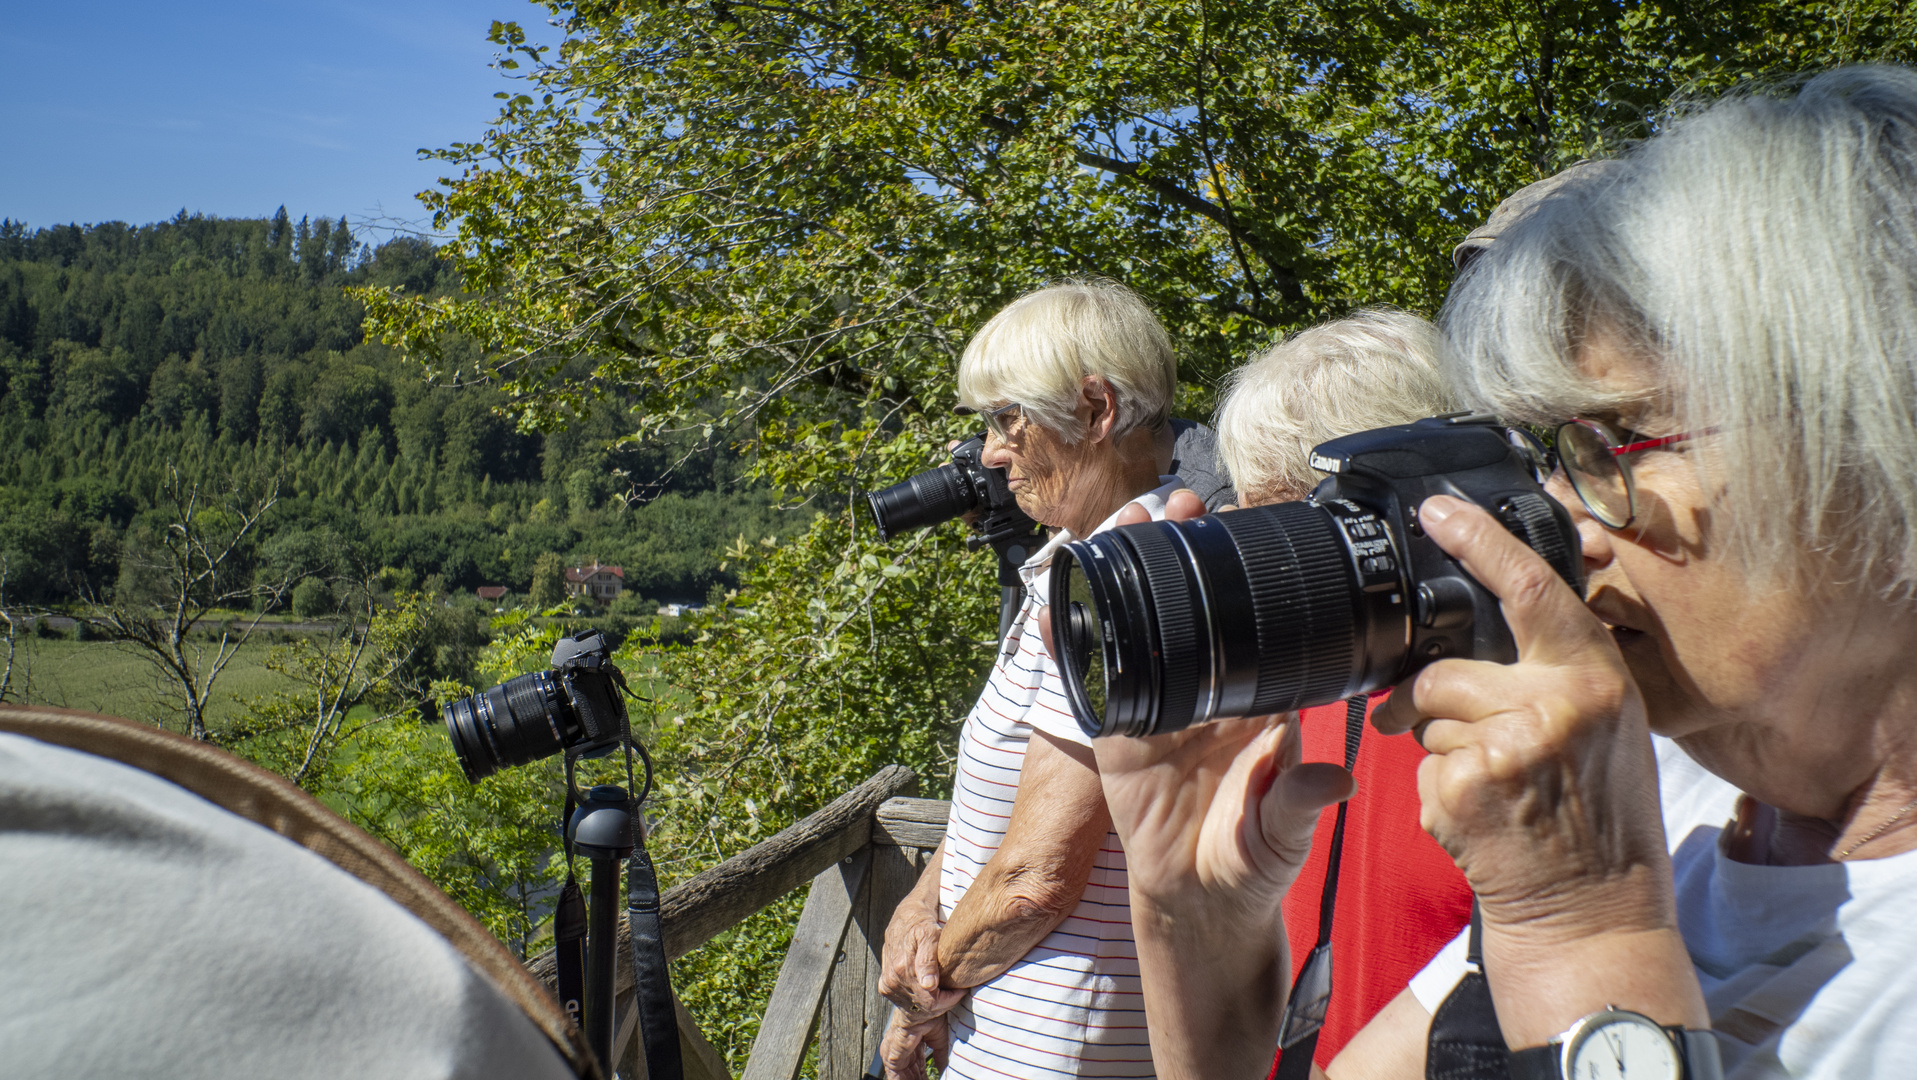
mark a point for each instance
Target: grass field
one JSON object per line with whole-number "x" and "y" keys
{"x": 111, "y": 679}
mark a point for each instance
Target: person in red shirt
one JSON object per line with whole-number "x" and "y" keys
{"x": 1400, "y": 898}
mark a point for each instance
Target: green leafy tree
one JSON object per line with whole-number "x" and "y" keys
{"x": 548, "y": 580}
{"x": 313, "y": 598}
{"x": 776, "y": 225}
{"x": 346, "y": 680}
{"x": 490, "y": 846}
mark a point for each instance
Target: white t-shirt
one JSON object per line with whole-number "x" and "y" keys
{"x": 1809, "y": 971}
{"x": 150, "y": 933}
{"x": 1073, "y": 1006}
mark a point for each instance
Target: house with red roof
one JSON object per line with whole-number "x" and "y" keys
{"x": 596, "y": 582}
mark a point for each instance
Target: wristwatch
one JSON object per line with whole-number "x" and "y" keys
{"x": 1618, "y": 1044}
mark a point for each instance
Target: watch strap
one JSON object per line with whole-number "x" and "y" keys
{"x": 1697, "y": 1049}
{"x": 1538, "y": 1062}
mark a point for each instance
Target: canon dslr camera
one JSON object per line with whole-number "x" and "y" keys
{"x": 1173, "y": 623}
{"x": 575, "y": 706}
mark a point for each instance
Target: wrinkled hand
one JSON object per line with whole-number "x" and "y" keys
{"x": 907, "y": 1043}
{"x": 909, "y": 964}
{"x": 1216, "y": 819}
{"x": 1541, "y": 782}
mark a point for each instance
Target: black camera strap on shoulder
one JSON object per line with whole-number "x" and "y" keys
{"x": 1465, "y": 1041}
{"x": 1310, "y": 997}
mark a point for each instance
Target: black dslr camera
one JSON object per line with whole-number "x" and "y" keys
{"x": 936, "y": 496}
{"x": 575, "y": 706}
{"x": 1168, "y": 624}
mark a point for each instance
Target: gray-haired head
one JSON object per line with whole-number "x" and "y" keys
{"x": 1371, "y": 369}
{"x": 1521, "y": 204}
{"x": 1759, "y": 261}
{"x": 1039, "y": 349}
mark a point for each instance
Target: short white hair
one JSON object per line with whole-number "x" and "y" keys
{"x": 1038, "y": 350}
{"x": 1760, "y": 258}
{"x": 1372, "y": 369}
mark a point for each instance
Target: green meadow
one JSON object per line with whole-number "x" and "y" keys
{"x": 107, "y": 678}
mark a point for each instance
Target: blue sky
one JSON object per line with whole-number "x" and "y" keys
{"x": 114, "y": 110}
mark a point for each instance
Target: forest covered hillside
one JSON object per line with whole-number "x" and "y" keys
{"x": 230, "y": 349}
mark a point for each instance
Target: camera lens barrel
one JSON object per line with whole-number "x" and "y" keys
{"x": 522, "y": 719}
{"x": 1166, "y": 624}
{"x": 1259, "y": 611}
{"x": 931, "y": 498}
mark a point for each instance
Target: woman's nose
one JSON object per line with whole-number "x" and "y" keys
{"x": 1593, "y": 537}
{"x": 995, "y": 455}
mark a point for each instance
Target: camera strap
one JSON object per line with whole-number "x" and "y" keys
{"x": 569, "y": 934}
{"x": 1465, "y": 1041}
{"x": 651, "y": 988}
{"x": 569, "y": 950}
{"x": 658, "y": 1017}
{"x": 1311, "y": 992}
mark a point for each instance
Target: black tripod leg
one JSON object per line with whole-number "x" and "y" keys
{"x": 602, "y": 934}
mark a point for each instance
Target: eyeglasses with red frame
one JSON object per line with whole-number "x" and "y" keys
{"x": 1593, "y": 455}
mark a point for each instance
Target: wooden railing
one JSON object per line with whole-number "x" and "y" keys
{"x": 861, "y": 853}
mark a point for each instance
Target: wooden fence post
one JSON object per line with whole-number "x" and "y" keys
{"x": 786, "y": 1028}
{"x": 904, "y": 832}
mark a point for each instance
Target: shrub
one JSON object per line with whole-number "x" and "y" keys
{"x": 312, "y": 597}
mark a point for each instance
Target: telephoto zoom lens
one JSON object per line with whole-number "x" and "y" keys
{"x": 522, "y": 719}
{"x": 931, "y": 498}
{"x": 1168, "y": 624}
{"x": 1162, "y": 625}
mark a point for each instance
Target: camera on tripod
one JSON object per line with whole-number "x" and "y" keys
{"x": 1269, "y": 609}
{"x": 576, "y": 708}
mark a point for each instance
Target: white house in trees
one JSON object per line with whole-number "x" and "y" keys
{"x": 596, "y": 582}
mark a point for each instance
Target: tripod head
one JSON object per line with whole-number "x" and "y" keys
{"x": 601, "y": 827}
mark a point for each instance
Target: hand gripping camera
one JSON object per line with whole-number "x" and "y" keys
{"x": 1168, "y": 624}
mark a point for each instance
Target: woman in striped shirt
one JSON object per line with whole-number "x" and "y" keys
{"x": 1014, "y": 953}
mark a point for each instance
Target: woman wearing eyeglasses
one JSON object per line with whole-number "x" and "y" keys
{"x": 1725, "y": 326}
{"x": 1013, "y": 957}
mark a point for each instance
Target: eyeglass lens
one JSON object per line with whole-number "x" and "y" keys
{"x": 1596, "y": 474}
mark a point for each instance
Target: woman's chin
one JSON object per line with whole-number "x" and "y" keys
{"x": 1039, "y": 510}
{"x": 1657, "y": 686}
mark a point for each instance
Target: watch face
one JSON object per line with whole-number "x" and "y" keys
{"x": 1621, "y": 1046}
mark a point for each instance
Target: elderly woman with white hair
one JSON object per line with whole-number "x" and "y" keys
{"x": 1016, "y": 944}
{"x": 1401, "y": 897}
{"x": 1724, "y": 330}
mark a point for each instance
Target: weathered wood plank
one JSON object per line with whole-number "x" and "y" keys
{"x": 855, "y": 1015}
{"x": 908, "y": 822}
{"x": 786, "y": 1028}
{"x": 695, "y": 911}
{"x": 702, "y": 1060}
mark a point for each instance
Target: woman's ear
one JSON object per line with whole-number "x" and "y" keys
{"x": 1098, "y": 404}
